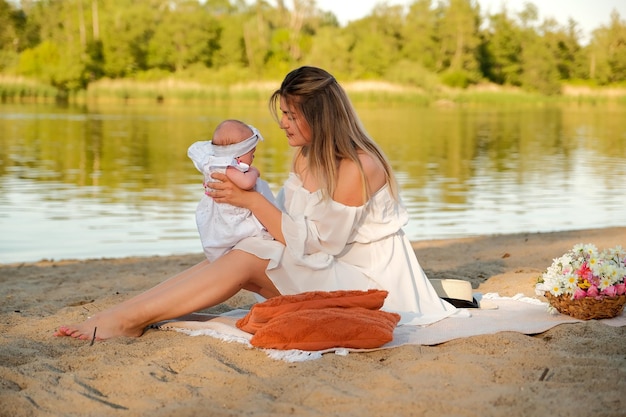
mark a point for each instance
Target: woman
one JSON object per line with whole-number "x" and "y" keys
{"x": 339, "y": 225}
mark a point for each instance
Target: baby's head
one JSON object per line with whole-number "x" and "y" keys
{"x": 232, "y": 131}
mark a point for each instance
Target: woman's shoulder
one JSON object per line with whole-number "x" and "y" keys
{"x": 373, "y": 169}
{"x": 372, "y": 166}
{"x": 349, "y": 189}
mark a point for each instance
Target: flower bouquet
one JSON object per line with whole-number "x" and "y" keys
{"x": 585, "y": 283}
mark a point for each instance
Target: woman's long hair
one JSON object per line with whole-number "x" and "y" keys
{"x": 337, "y": 132}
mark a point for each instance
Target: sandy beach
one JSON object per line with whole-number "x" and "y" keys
{"x": 571, "y": 370}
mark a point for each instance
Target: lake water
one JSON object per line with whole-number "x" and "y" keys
{"x": 98, "y": 181}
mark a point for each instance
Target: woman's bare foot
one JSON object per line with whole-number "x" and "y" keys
{"x": 102, "y": 326}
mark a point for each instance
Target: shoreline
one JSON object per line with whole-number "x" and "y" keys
{"x": 167, "y": 373}
{"x": 417, "y": 244}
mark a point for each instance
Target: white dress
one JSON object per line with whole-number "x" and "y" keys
{"x": 331, "y": 246}
{"x": 221, "y": 226}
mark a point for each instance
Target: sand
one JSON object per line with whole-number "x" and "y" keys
{"x": 571, "y": 370}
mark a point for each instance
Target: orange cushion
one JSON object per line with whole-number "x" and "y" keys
{"x": 356, "y": 327}
{"x": 260, "y": 314}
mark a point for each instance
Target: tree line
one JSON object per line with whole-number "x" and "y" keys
{"x": 72, "y": 43}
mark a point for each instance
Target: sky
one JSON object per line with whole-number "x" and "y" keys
{"x": 589, "y": 14}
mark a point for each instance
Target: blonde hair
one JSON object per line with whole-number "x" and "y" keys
{"x": 336, "y": 131}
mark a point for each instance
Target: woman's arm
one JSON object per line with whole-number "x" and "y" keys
{"x": 269, "y": 215}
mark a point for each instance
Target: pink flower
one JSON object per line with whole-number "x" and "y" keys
{"x": 610, "y": 291}
{"x": 620, "y": 288}
{"x": 593, "y": 291}
{"x": 585, "y": 272}
{"x": 579, "y": 293}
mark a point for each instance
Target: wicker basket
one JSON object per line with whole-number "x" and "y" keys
{"x": 588, "y": 308}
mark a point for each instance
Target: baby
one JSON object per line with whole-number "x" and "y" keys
{"x": 231, "y": 151}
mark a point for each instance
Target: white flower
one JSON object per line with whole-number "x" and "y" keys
{"x": 617, "y": 251}
{"x": 571, "y": 281}
{"x": 590, "y": 249}
{"x": 553, "y": 311}
{"x": 556, "y": 290}
{"x": 604, "y": 282}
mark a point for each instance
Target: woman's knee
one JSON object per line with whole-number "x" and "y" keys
{"x": 245, "y": 265}
{"x": 255, "y": 269}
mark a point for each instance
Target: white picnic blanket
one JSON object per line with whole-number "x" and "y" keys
{"x": 515, "y": 314}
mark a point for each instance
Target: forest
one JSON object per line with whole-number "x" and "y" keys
{"x": 73, "y": 45}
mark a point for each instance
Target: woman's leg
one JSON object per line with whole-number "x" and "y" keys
{"x": 201, "y": 286}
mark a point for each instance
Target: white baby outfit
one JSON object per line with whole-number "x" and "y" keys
{"x": 221, "y": 226}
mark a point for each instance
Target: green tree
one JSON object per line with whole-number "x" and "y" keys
{"x": 564, "y": 45}
{"x": 256, "y": 36}
{"x": 577, "y": 62}
{"x": 59, "y": 58}
{"x": 539, "y": 65}
{"x": 375, "y": 42}
{"x": 459, "y": 37}
{"x": 292, "y": 33}
{"x": 8, "y": 34}
{"x": 501, "y": 60}
{"x": 184, "y": 34}
{"x": 331, "y": 51}
{"x": 420, "y": 42}
{"x": 230, "y": 42}
{"x": 126, "y": 29}
{"x": 540, "y": 72}
{"x": 608, "y": 52}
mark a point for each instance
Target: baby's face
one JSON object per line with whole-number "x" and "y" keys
{"x": 247, "y": 158}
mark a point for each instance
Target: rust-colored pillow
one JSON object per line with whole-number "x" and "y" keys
{"x": 260, "y": 314}
{"x": 356, "y": 327}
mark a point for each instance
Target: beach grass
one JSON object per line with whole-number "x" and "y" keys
{"x": 21, "y": 88}
{"x": 153, "y": 89}
{"x": 172, "y": 90}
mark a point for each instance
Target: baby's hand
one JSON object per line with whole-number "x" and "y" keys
{"x": 224, "y": 190}
{"x": 244, "y": 180}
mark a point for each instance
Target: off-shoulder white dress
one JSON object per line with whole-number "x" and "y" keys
{"x": 331, "y": 246}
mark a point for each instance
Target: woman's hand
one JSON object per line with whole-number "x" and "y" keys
{"x": 225, "y": 191}
{"x": 265, "y": 212}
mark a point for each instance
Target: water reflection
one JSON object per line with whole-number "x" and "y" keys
{"x": 115, "y": 181}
